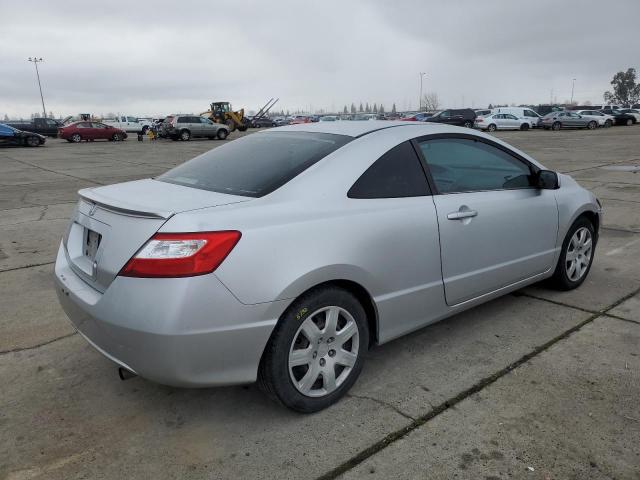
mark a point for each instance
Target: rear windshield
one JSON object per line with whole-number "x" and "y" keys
{"x": 255, "y": 165}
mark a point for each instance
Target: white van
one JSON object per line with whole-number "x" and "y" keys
{"x": 521, "y": 112}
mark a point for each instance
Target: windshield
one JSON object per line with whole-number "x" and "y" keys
{"x": 257, "y": 164}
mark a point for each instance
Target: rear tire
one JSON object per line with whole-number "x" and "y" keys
{"x": 524, "y": 126}
{"x": 185, "y": 135}
{"x": 318, "y": 375}
{"x": 222, "y": 134}
{"x": 574, "y": 253}
{"x": 468, "y": 124}
{"x": 556, "y": 126}
{"x": 492, "y": 128}
{"x": 608, "y": 124}
{"x": 592, "y": 125}
{"x": 629, "y": 122}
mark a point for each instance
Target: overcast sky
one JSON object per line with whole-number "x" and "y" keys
{"x": 178, "y": 56}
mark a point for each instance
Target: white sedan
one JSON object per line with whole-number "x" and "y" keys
{"x": 603, "y": 119}
{"x": 501, "y": 121}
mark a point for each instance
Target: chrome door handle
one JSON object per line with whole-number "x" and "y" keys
{"x": 461, "y": 215}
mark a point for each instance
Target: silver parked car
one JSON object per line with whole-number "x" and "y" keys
{"x": 185, "y": 127}
{"x": 566, "y": 119}
{"x": 285, "y": 255}
{"x": 501, "y": 121}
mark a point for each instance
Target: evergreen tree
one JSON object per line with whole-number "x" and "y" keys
{"x": 375, "y": 108}
{"x": 367, "y": 108}
{"x": 381, "y": 109}
{"x": 353, "y": 108}
{"x": 361, "y": 109}
{"x": 393, "y": 109}
{"x": 345, "y": 110}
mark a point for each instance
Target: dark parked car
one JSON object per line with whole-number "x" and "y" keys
{"x": 90, "y": 131}
{"x": 462, "y": 117}
{"x": 43, "y": 126}
{"x": 13, "y": 136}
{"x": 620, "y": 118}
{"x": 263, "y": 122}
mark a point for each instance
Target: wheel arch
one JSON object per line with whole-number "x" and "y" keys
{"x": 357, "y": 290}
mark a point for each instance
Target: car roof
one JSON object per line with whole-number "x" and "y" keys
{"x": 359, "y": 128}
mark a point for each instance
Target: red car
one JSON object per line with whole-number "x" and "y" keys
{"x": 300, "y": 119}
{"x": 90, "y": 131}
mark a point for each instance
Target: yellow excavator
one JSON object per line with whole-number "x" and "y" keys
{"x": 221, "y": 112}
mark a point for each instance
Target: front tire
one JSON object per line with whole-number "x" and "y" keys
{"x": 592, "y": 125}
{"x": 76, "y": 138}
{"x": 32, "y": 142}
{"x": 556, "y": 126}
{"x": 608, "y": 124}
{"x": 524, "y": 126}
{"x": 629, "y": 122}
{"x": 116, "y": 137}
{"x": 316, "y": 350}
{"x": 468, "y": 124}
{"x": 222, "y": 134}
{"x": 576, "y": 256}
{"x": 185, "y": 135}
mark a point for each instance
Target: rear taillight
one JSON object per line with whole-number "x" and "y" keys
{"x": 181, "y": 254}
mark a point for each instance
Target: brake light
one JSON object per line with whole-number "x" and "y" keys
{"x": 181, "y": 254}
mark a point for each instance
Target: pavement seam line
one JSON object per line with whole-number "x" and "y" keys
{"x": 383, "y": 403}
{"x": 13, "y": 269}
{"x": 616, "y": 317}
{"x": 399, "y": 434}
{"x": 53, "y": 171}
{"x": 33, "y": 347}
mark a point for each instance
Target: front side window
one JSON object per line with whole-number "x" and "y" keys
{"x": 84, "y": 125}
{"x": 462, "y": 165}
{"x": 257, "y": 164}
{"x": 396, "y": 174}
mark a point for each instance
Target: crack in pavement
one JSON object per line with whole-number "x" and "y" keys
{"x": 452, "y": 402}
{"x": 13, "y": 269}
{"x": 586, "y": 310}
{"x": 383, "y": 403}
{"x": 53, "y": 171}
{"x": 33, "y": 347}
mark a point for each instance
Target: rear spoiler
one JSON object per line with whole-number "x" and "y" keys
{"x": 122, "y": 208}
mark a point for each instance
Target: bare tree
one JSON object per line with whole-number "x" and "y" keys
{"x": 430, "y": 102}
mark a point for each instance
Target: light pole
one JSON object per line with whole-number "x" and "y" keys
{"x": 573, "y": 85}
{"x": 422, "y": 74}
{"x": 35, "y": 61}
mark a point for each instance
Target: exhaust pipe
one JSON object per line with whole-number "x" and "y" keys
{"x": 125, "y": 374}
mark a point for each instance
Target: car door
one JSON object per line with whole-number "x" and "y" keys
{"x": 496, "y": 229}
{"x": 208, "y": 127}
{"x": 511, "y": 121}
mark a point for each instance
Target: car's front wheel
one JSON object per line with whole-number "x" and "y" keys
{"x": 592, "y": 125}
{"x": 32, "y": 142}
{"x": 524, "y": 126}
{"x": 222, "y": 134}
{"x": 629, "y": 122}
{"x": 116, "y": 137}
{"x": 576, "y": 256}
{"x": 468, "y": 124}
{"x": 316, "y": 351}
{"x": 75, "y": 138}
{"x": 556, "y": 126}
{"x": 185, "y": 135}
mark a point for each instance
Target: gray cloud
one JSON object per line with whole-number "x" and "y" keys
{"x": 167, "y": 57}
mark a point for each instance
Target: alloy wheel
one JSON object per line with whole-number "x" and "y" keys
{"x": 578, "y": 256}
{"x": 324, "y": 351}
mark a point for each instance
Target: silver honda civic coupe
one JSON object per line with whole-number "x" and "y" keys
{"x": 283, "y": 256}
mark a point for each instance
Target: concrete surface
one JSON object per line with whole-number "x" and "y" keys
{"x": 485, "y": 394}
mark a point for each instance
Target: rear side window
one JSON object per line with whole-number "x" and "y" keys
{"x": 396, "y": 174}
{"x": 257, "y": 164}
{"x": 183, "y": 119}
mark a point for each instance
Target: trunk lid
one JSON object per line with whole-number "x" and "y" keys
{"x": 111, "y": 223}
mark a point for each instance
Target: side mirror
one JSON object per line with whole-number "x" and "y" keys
{"x": 547, "y": 180}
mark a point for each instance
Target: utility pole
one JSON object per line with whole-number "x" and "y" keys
{"x": 422, "y": 74}
{"x": 35, "y": 61}
{"x": 572, "y": 88}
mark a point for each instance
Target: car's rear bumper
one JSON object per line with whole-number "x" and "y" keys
{"x": 176, "y": 331}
